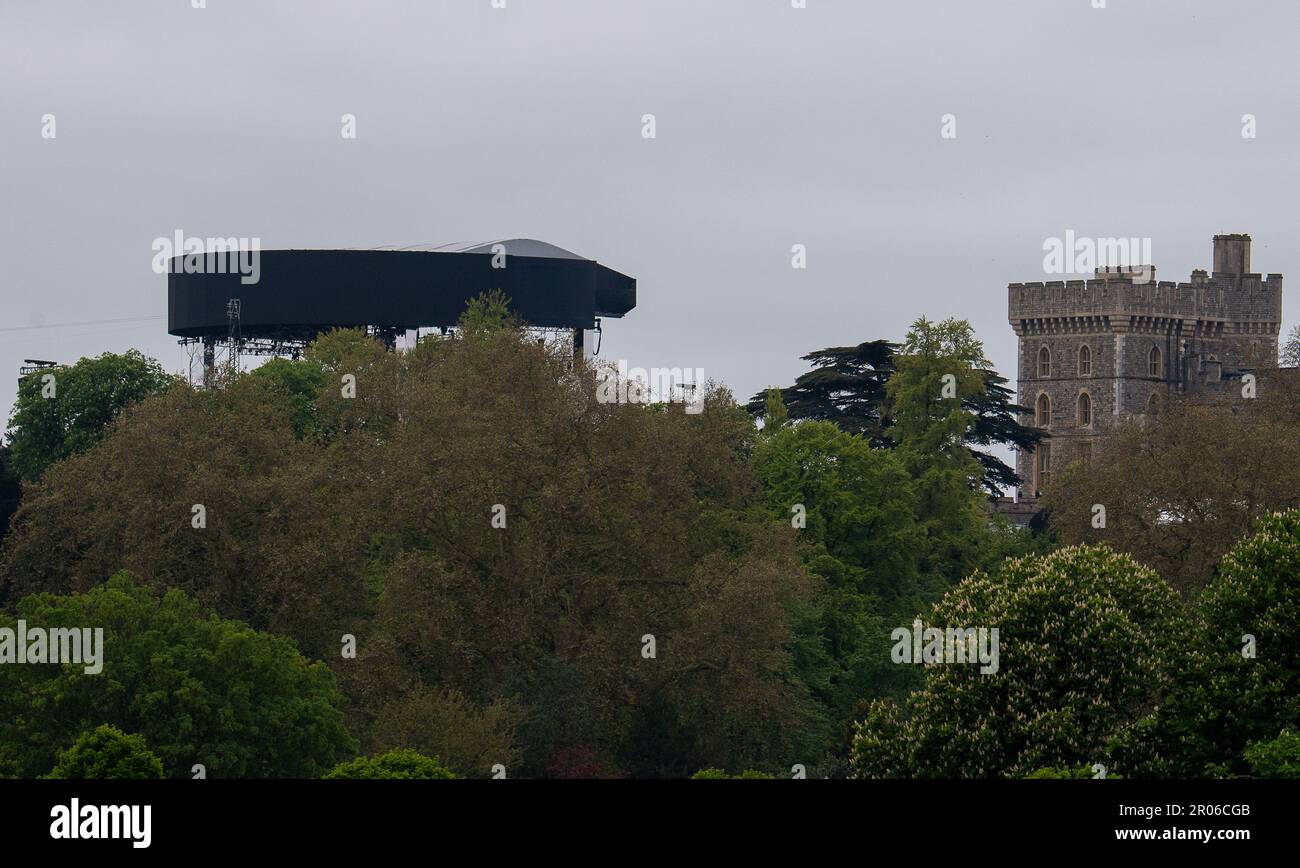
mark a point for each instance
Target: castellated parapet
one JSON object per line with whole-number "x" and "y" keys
{"x": 1094, "y": 351}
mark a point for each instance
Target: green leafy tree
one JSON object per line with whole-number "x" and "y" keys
{"x": 303, "y": 381}
{"x": 775, "y": 416}
{"x": 853, "y": 506}
{"x": 197, "y": 689}
{"x": 722, "y": 775}
{"x": 889, "y": 529}
{"x": 381, "y": 525}
{"x": 1077, "y": 773}
{"x": 447, "y": 724}
{"x": 286, "y": 540}
{"x": 396, "y": 764}
{"x": 87, "y": 397}
{"x": 851, "y": 502}
{"x": 1278, "y": 758}
{"x": 938, "y": 367}
{"x": 487, "y": 312}
{"x": 849, "y": 386}
{"x": 846, "y": 386}
{"x": 107, "y": 753}
{"x": 1241, "y": 683}
{"x": 996, "y": 415}
{"x": 1087, "y": 640}
{"x": 939, "y": 373}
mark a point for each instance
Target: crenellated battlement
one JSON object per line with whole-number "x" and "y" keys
{"x": 1242, "y": 299}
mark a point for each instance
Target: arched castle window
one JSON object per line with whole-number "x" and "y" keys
{"x": 1085, "y": 361}
{"x": 1042, "y": 466}
{"x": 1044, "y": 362}
{"x": 1085, "y": 409}
{"x": 1153, "y": 362}
{"x": 1153, "y": 404}
{"x": 1043, "y": 411}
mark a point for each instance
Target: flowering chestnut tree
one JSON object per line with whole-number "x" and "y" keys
{"x": 1087, "y": 640}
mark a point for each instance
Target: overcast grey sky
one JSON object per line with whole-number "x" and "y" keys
{"x": 775, "y": 126}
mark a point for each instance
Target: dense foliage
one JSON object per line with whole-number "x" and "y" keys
{"x": 1086, "y": 641}
{"x": 482, "y": 526}
{"x": 1278, "y": 758}
{"x": 66, "y": 409}
{"x": 1238, "y": 691}
{"x": 1069, "y": 774}
{"x": 107, "y": 753}
{"x": 502, "y": 574}
{"x": 845, "y": 387}
{"x": 396, "y": 764}
{"x": 869, "y": 388}
{"x": 888, "y": 529}
{"x": 198, "y": 689}
{"x": 721, "y": 775}
{"x": 1181, "y": 488}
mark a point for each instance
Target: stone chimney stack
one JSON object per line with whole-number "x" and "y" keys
{"x": 1232, "y": 254}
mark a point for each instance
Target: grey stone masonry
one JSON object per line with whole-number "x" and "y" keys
{"x": 1094, "y": 351}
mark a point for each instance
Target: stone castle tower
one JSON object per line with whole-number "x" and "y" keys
{"x": 1118, "y": 346}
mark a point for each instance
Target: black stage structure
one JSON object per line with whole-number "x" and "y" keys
{"x": 300, "y": 294}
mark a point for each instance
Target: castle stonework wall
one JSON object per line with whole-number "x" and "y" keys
{"x": 1147, "y": 343}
